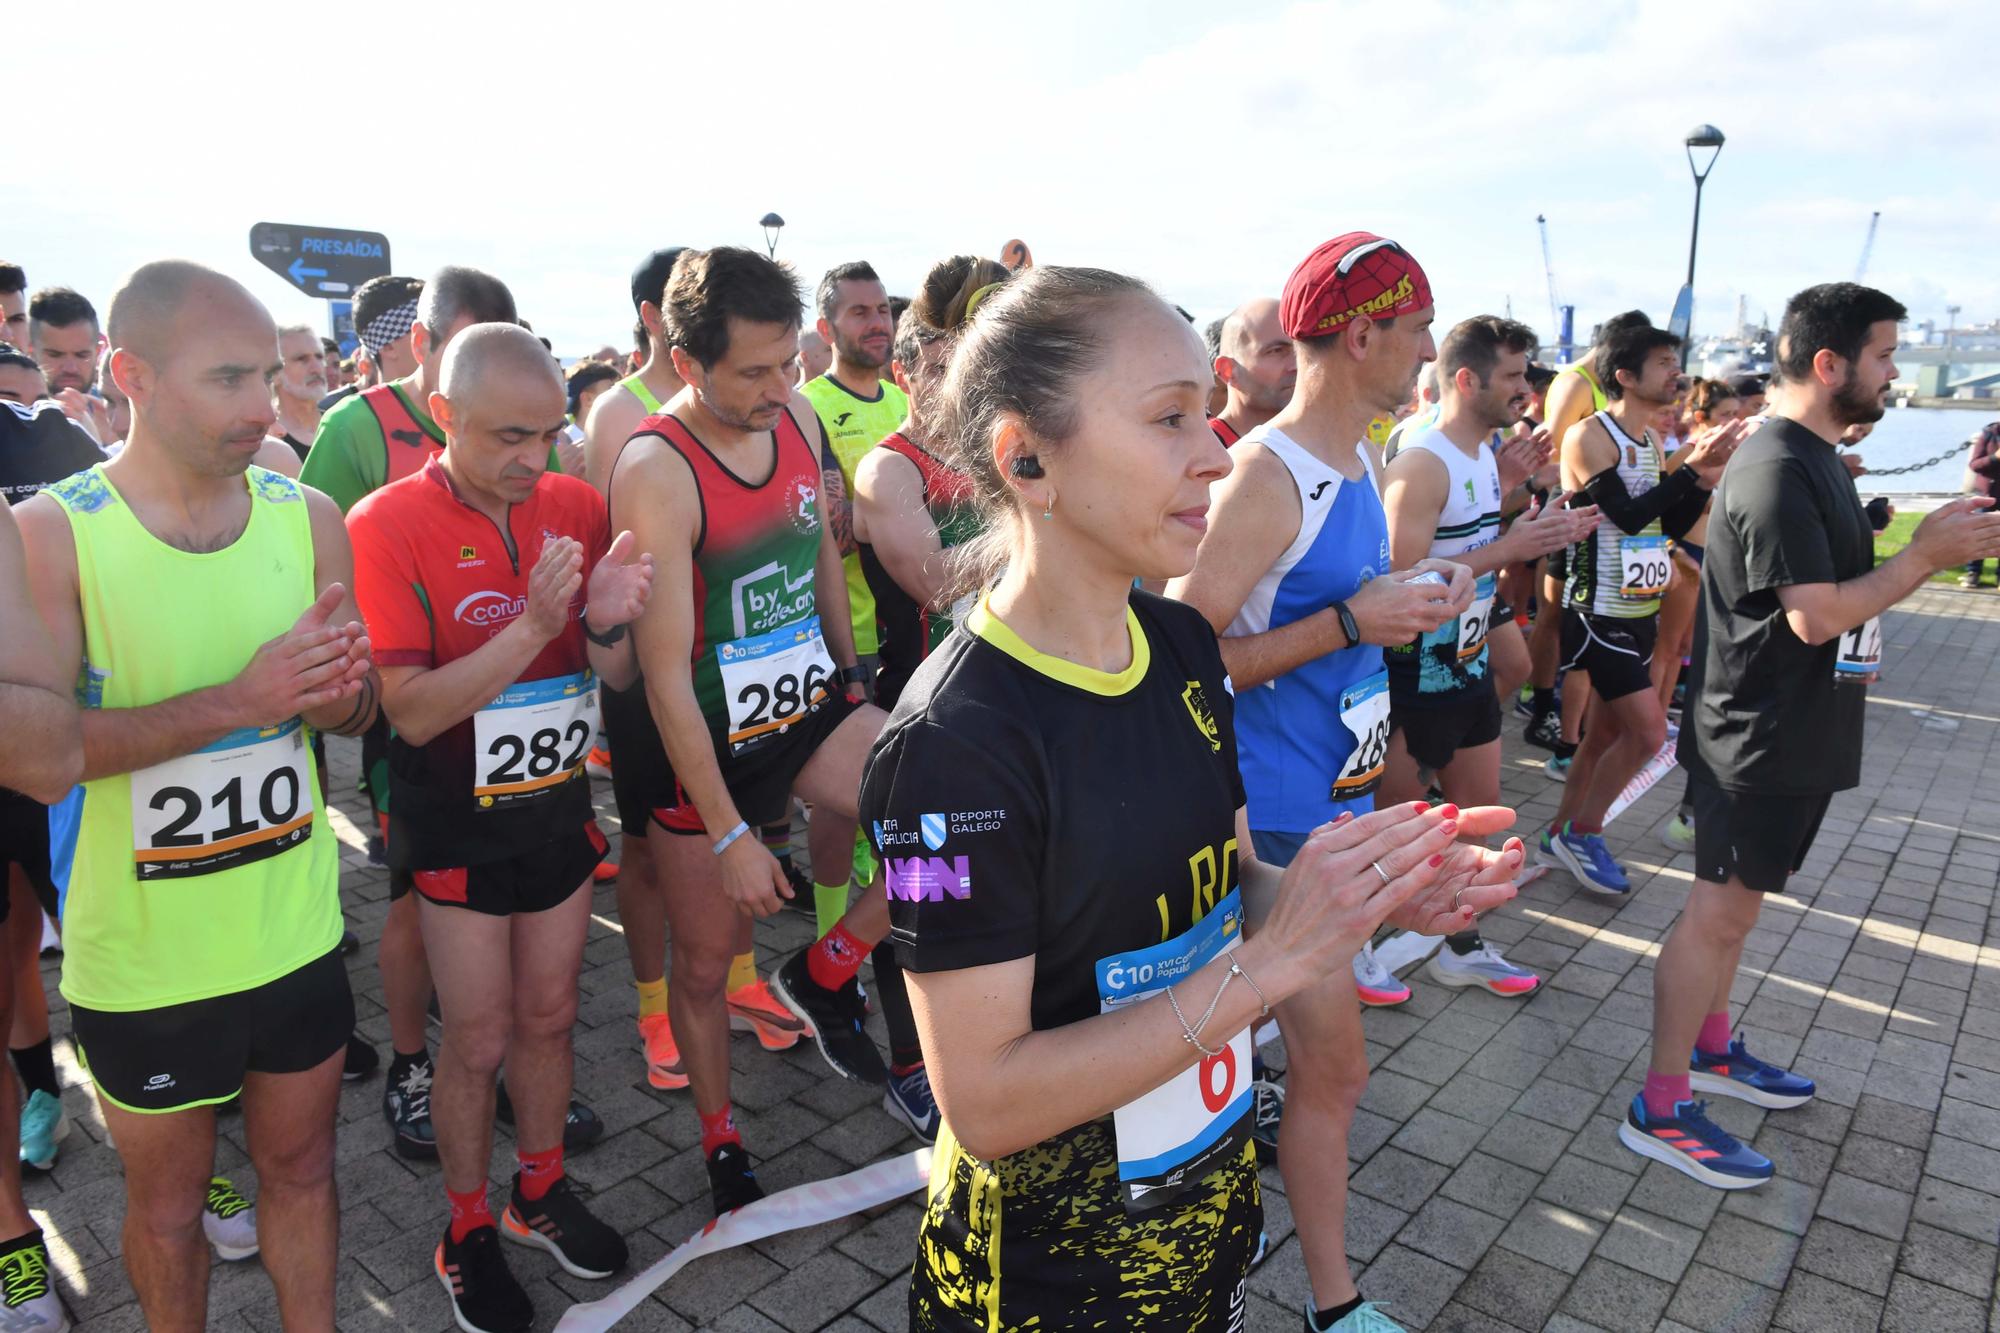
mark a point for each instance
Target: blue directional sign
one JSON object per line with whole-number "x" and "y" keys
{"x": 324, "y": 262}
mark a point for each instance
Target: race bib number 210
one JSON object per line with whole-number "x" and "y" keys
{"x": 246, "y": 797}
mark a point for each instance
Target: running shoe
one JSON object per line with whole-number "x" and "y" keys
{"x": 663, "y": 1057}
{"x": 350, "y": 944}
{"x": 361, "y": 1059}
{"x": 1739, "y": 1074}
{"x": 835, "y": 1020}
{"x": 1679, "y": 833}
{"x": 1545, "y": 731}
{"x": 1557, "y": 766}
{"x": 1585, "y": 856}
{"x": 753, "y": 1008}
{"x": 1673, "y": 731}
{"x": 1376, "y": 984}
{"x": 581, "y": 1127}
{"x": 801, "y": 886}
{"x": 1482, "y": 967}
{"x": 406, "y": 1105}
{"x": 559, "y": 1223}
{"x": 44, "y": 1124}
{"x": 229, "y": 1221}
{"x": 908, "y": 1098}
{"x": 1267, "y": 1113}
{"x": 1689, "y": 1142}
{"x": 485, "y": 1298}
{"x": 1524, "y": 706}
{"x": 1366, "y": 1317}
{"x": 378, "y": 851}
{"x": 598, "y": 764}
{"x": 731, "y": 1182}
{"x": 28, "y": 1299}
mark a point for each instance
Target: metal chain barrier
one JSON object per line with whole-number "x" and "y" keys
{"x": 1951, "y": 452}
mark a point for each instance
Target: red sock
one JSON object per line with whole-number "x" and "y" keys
{"x": 1714, "y": 1036}
{"x": 1580, "y": 828}
{"x": 718, "y": 1129}
{"x": 468, "y": 1212}
{"x": 904, "y": 1071}
{"x": 833, "y": 961}
{"x": 1663, "y": 1090}
{"x": 539, "y": 1170}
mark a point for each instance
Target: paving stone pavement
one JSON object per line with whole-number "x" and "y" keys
{"x": 1489, "y": 1190}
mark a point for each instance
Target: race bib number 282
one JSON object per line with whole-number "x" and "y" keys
{"x": 241, "y": 799}
{"x": 532, "y": 739}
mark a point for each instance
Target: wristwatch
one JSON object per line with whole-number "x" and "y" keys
{"x": 605, "y": 640}
{"x": 1347, "y": 625}
{"x": 851, "y": 675}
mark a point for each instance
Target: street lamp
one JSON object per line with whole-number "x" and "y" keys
{"x": 1709, "y": 137}
{"x": 772, "y": 225}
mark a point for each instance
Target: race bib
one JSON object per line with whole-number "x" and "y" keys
{"x": 532, "y": 739}
{"x": 1477, "y": 620}
{"x": 1860, "y": 658}
{"x": 1644, "y": 567}
{"x": 241, "y": 799}
{"x": 772, "y": 680}
{"x": 1198, "y": 1120}
{"x": 1364, "y": 711}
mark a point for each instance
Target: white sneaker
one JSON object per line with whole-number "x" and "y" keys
{"x": 28, "y": 1297}
{"x": 1679, "y": 834}
{"x": 1482, "y": 967}
{"x": 229, "y": 1221}
{"x": 1374, "y": 983}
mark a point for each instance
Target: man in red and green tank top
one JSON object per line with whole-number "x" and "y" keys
{"x": 748, "y": 657}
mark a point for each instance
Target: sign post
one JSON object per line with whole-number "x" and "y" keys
{"x": 326, "y": 263}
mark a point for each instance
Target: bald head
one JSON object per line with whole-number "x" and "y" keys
{"x": 153, "y": 310}
{"x": 1249, "y": 327}
{"x": 1255, "y": 360}
{"x": 484, "y": 350}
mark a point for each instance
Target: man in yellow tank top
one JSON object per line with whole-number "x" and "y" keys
{"x": 201, "y": 605}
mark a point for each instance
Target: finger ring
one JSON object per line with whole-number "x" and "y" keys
{"x": 1380, "y": 871}
{"x": 1456, "y": 894}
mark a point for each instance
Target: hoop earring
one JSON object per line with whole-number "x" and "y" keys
{"x": 1049, "y": 506}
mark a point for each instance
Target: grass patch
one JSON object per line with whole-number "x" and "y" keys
{"x": 1897, "y": 535}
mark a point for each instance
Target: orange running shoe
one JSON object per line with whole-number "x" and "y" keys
{"x": 663, "y": 1058}
{"x": 755, "y": 1009}
{"x": 598, "y": 763}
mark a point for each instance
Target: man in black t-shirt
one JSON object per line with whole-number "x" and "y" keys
{"x": 1786, "y": 640}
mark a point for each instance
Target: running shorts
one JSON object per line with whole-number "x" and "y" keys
{"x": 542, "y": 879}
{"x": 1616, "y": 654}
{"x": 1757, "y": 838}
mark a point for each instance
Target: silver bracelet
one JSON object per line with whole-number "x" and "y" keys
{"x": 1188, "y": 1033}
{"x": 722, "y": 845}
{"x": 1236, "y": 970}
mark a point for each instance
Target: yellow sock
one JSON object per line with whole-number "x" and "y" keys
{"x": 652, "y": 997}
{"x": 742, "y": 970}
{"x": 829, "y": 905}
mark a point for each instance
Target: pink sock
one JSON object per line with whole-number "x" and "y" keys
{"x": 1663, "y": 1090}
{"x": 1714, "y": 1036}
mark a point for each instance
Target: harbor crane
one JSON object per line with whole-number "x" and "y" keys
{"x": 1867, "y": 245}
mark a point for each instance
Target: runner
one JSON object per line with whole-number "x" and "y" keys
{"x": 1787, "y": 639}
{"x": 1611, "y": 600}
{"x": 1255, "y": 366}
{"x": 814, "y": 356}
{"x": 14, "y": 307}
{"x": 642, "y": 780}
{"x": 300, "y": 386}
{"x": 385, "y": 308}
{"x": 724, "y": 487}
{"x": 1295, "y": 574}
{"x": 912, "y": 509}
{"x": 1443, "y": 495}
{"x": 206, "y": 597}
{"x": 22, "y": 381}
{"x": 494, "y": 707}
{"x": 1048, "y": 773}
{"x": 63, "y": 333}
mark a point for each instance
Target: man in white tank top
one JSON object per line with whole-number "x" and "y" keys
{"x": 1443, "y": 493}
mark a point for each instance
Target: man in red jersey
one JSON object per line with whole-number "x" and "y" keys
{"x": 1254, "y": 363}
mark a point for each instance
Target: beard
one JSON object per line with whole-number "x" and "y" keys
{"x": 1855, "y": 406}
{"x": 857, "y": 354}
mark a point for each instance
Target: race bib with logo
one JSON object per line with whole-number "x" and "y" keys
{"x": 1860, "y": 658}
{"x": 532, "y": 739}
{"x": 1197, "y": 1120}
{"x": 243, "y": 798}
{"x": 772, "y": 680}
{"x": 1643, "y": 568}
{"x": 1364, "y": 711}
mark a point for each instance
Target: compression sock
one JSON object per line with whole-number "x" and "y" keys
{"x": 834, "y": 960}
{"x": 1713, "y": 1039}
{"x": 652, "y": 997}
{"x": 37, "y": 1066}
{"x": 778, "y": 842}
{"x": 1544, "y": 701}
{"x": 829, "y": 905}
{"x": 539, "y": 1171}
{"x": 865, "y": 865}
{"x": 718, "y": 1129}
{"x": 468, "y": 1212}
{"x": 1663, "y": 1090}
{"x": 742, "y": 971}
{"x": 1322, "y": 1320}
{"x": 906, "y": 1054}
{"x": 1465, "y": 942}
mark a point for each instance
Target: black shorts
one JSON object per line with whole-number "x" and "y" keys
{"x": 532, "y": 882}
{"x": 1759, "y": 839}
{"x": 24, "y": 842}
{"x": 760, "y": 783}
{"x": 642, "y": 778}
{"x": 1438, "y": 729}
{"x": 195, "y": 1054}
{"x": 1616, "y": 654}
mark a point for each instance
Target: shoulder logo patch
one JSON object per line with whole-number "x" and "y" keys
{"x": 467, "y": 553}
{"x": 1196, "y": 700}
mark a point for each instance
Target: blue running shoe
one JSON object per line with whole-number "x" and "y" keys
{"x": 43, "y": 1125}
{"x": 1545, "y": 852}
{"x": 1739, "y": 1074}
{"x": 908, "y": 1098}
{"x": 1691, "y": 1143}
{"x": 1558, "y": 767}
{"x": 1585, "y": 856}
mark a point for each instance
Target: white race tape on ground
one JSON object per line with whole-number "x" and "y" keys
{"x": 1656, "y": 768}
{"x": 806, "y": 1205}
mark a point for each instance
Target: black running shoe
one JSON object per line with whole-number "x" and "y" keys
{"x": 559, "y": 1223}
{"x": 485, "y": 1298}
{"x": 361, "y": 1059}
{"x": 1545, "y": 731}
{"x": 802, "y": 900}
{"x": 406, "y": 1105}
{"x": 731, "y": 1182}
{"x": 835, "y": 1020}
{"x": 350, "y": 944}
{"x": 581, "y": 1127}
{"x": 1267, "y": 1111}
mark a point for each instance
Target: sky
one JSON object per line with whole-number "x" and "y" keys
{"x": 1205, "y": 148}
